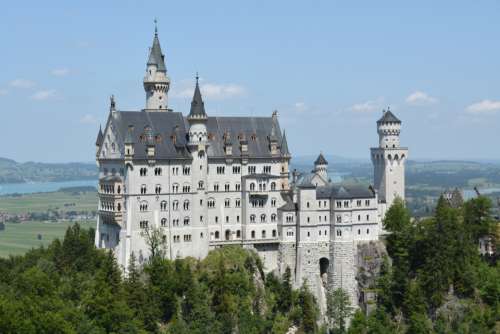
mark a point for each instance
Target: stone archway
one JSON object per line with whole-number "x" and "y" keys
{"x": 324, "y": 263}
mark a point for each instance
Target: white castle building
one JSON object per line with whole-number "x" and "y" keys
{"x": 209, "y": 181}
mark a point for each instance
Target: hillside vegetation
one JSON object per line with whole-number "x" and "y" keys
{"x": 71, "y": 287}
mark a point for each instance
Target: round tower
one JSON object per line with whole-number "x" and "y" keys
{"x": 156, "y": 81}
{"x": 388, "y": 128}
{"x": 197, "y": 119}
{"x": 321, "y": 167}
{"x": 389, "y": 160}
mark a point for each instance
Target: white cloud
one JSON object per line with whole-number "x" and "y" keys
{"x": 60, "y": 72}
{"x": 210, "y": 91}
{"x": 368, "y": 106}
{"x": 301, "y": 106}
{"x": 420, "y": 98}
{"x": 88, "y": 119}
{"x": 3, "y": 92}
{"x": 43, "y": 95}
{"x": 21, "y": 83}
{"x": 484, "y": 107}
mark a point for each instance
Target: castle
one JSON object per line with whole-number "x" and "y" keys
{"x": 208, "y": 181}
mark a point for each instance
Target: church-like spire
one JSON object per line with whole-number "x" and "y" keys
{"x": 284, "y": 145}
{"x": 156, "y": 81}
{"x": 197, "y": 105}
{"x": 100, "y": 137}
{"x": 156, "y": 57}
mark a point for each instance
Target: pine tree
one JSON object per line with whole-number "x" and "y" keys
{"x": 339, "y": 310}
{"x": 309, "y": 310}
{"x": 399, "y": 241}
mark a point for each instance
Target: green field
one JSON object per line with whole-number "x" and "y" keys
{"x": 18, "y": 238}
{"x": 41, "y": 202}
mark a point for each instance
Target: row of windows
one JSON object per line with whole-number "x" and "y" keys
{"x": 262, "y": 186}
{"x": 110, "y": 206}
{"x": 263, "y": 218}
{"x": 186, "y": 170}
{"x": 339, "y": 218}
{"x": 339, "y": 232}
{"x": 186, "y": 238}
{"x": 238, "y": 234}
{"x": 110, "y": 189}
{"x": 358, "y": 203}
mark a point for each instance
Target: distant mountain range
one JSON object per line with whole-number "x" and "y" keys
{"x": 15, "y": 172}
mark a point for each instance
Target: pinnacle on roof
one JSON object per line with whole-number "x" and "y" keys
{"x": 156, "y": 57}
{"x": 321, "y": 160}
{"x": 284, "y": 145}
{"x": 197, "y": 105}
{"x": 100, "y": 137}
{"x": 388, "y": 117}
{"x": 128, "y": 137}
{"x": 272, "y": 136}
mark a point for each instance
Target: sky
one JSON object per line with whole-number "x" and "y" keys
{"x": 328, "y": 67}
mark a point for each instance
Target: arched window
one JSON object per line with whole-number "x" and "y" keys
{"x": 163, "y": 205}
{"x": 119, "y": 207}
{"x": 252, "y": 186}
{"x": 252, "y": 218}
{"x": 164, "y": 222}
{"x": 262, "y": 218}
{"x": 200, "y": 184}
{"x": 186, "y": 221}
{"x": 274, "y": 233}
{"x": 186, "y": 205}
{"x": 253, "y": 234}
{"x": 217, "y": 235}
{"x": 273, "y": 217}
{"x": 273, "y": 185}
{"x": 263, "y": 233}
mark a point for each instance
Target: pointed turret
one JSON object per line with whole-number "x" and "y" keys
{"x": 156, "y": 57}
{"x": 197, "y": 118}
{"x": 156, "y": 81}
{"x": 284, "y": 146}
{"x": 197, "y": 105}
{"x": 321, "y": 166}
{"x": 320, "y": 160}
{"x": 100, "y": 137}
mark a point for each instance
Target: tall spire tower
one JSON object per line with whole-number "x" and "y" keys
{"x": 389, "y": 160}
{"x": 156, "y": 81}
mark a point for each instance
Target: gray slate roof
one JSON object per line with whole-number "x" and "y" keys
{"x": 344, "y": 192}
{"x": 100, "y": 137}
{"x": 197, "y": 104}
{"x": 255, "y": 130}
{"x": 166, "y": 125}
{"x": 388, "y": 117}
{"x": 321, "y": 160}
{"x": 156, "y": 57}
{"x": 284, "y": 145}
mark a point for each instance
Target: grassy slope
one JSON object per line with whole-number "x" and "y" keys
{"x": 17, "y": 239}
{"x": 41, "y": 202}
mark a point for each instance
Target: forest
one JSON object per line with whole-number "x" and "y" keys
{"x": 433, "y": 281}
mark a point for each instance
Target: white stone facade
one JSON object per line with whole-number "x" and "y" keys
{"x": 207, "y": 182}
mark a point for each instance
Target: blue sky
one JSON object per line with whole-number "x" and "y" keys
{"x": 328, "y": 67}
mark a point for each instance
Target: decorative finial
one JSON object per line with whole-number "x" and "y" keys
{"x": 388, "y": 108}
{"x": 156, "y": 27}
{"x": 197, "y": 77}
{"x": 112, "y": 103}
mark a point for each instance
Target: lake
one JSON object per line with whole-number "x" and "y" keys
{"x": 42, "y": 187}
